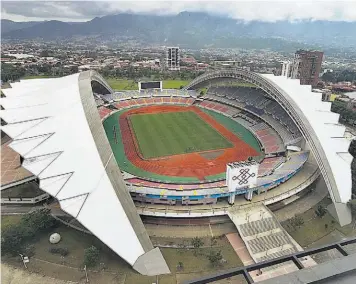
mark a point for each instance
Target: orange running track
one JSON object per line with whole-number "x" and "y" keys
{"x": 184, "y": 165}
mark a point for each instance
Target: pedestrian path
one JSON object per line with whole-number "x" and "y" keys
{"x": 261, "y": 238}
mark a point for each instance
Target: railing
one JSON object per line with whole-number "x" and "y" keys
{"x": 245, "y": 271}
{"x": 222, "y": 210}
{"x": 24, "y": 200}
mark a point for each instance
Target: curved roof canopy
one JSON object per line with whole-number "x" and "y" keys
{"x": 319, "y": 126}
{"x": 56, "y": 128}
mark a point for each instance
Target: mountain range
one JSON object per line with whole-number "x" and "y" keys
{"x": 189, "y": 29}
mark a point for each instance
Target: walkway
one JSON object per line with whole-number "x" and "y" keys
{"x": 11, "y": 275}
{"x": 261, "y": 238}
{"x": 304, "y": 203}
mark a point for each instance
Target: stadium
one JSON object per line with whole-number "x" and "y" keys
{"x": 176, "y": 154}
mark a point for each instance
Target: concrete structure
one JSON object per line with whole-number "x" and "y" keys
{"x": 227, "y": 64}
{"x": 307, "y": 66}
{"x": 173, "y": 58}
{"x": 56, "y": 128}
{"x": 319, "y": 126}
{"x": 286, "y": 69}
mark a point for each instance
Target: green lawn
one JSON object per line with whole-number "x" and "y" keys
{"x": 124, "y": 84}
{"x": 174, "y": 84}
{"x": 9, "y": 220}
{"x": 165, "y": 134}
{"x": 125, "y": 164}
{"x": 38, "y": 77}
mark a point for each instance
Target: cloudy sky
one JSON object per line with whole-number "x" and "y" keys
{"x": 246, "y": 10}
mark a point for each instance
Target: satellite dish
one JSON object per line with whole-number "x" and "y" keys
{"x": 55, "y": 238}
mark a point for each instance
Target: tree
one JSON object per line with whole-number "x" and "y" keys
{"x": 15, "y": 237}
{"x": 352, "y": 150}
{"x": 180, "y": 265}
{"x": 91, "y": 256}
{"x": 320, "y": 211}
{"x": 352, "y": 205}
{"x": 215, "y": 257}
{"x": 39, "y": 220}
{"x": 296, "y": 222}
{"x": 10, "y": 72}
{"x": 213, "y": 241}
{"x": 12, "y": 240}
{"x": 197, "y": 242}
{"x": 45, "y": 53}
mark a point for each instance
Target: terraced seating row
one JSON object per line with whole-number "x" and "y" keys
{"x": 270, "y": 140}
{"x": 290, "y": 166}
{"x": 276, "y": 254}
{"x": 257, "y": 227}
{"x": 255, "y": 101}
{"x": 268, "y": 242}
{"x": 132, "y": 102}
{"x": 218, "y": 107}
{"x": 268, "y": 165}
{"x": 103, "y": 111}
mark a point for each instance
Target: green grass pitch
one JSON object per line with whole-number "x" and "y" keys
{"x": 173, "y": 133}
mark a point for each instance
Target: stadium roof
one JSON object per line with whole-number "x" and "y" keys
{"x": 319, "y": 126}
{"x": 56, "y": 128}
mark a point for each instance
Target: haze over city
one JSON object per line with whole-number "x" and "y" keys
{"x": 269, "y": 11}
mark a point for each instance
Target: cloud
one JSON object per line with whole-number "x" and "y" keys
{"x": 269, "y": 11}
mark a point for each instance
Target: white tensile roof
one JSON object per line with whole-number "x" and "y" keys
{"x": 327, "y": 129}
{"x": 46, "y": 120}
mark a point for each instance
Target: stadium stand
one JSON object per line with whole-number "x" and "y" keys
{"x": 104, "y": 111}
{"x": 254, "y": 101}
{"x": 128, "y": 99}
{"x": 293, "y": 163}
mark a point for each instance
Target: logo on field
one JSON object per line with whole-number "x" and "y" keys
{"x": 244, "y": 176}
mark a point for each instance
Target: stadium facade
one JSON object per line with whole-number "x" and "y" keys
{"x": 58, "y": 132}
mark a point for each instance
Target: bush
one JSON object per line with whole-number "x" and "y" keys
{"x": 320, "y": 211}
{"x": 59, "y": 250}
{"x": 15, "y": 237}
{"x": 213, "y": 241}
{"x": 296, "y": 221}
{"x": 197, "y": 242}
{"x": 180, "y": 266}
{"x": 39, "y": 220}
{"x": 215, "y": 257}
{"x": 91, "y": 256}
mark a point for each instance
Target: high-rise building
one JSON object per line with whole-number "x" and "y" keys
{"x": 172, "y": 58}
{"x": 306, "y": 66}
{"x": 286, "y": 68}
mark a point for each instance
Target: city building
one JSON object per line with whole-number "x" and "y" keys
{"x": 227, "y": 64}
{"x": 306, "y": 67}
{"x": 286, "y": 68}
{"x": 172, "y": 58}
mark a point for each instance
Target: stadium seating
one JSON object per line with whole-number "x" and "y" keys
{"x": 254, "y": 101}
{"x": 293, "y": 163}
{"x": 103, "y": 111}
{"x": 128, "y": 99}
{"x": 269, "y": 164}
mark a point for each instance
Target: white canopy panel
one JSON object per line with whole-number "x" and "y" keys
{"x": 328, "y": 131}
{"x": 47, "y": 122}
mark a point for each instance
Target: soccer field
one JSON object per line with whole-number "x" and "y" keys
{"x": 173, "y": 133}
